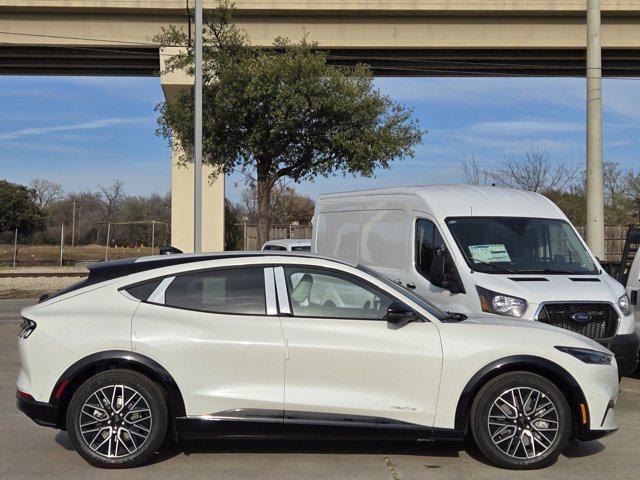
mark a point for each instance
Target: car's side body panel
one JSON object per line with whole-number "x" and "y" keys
{"x": 482, "y": 344}
{"x": 362, "y": 367}
{"x": 95, "y": 321}
{"x": 222, "y": 361}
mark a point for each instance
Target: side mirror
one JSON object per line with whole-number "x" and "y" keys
{"x": 443, "y": 273}
{"x": 399, "y": 315}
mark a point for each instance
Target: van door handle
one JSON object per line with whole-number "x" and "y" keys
{"x": 411, "y": 285}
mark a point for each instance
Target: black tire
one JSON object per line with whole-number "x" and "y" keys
{"x": 131, "y": 427}
{"x": 526, "y": 431}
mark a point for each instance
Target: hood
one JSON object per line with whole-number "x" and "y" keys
{"x": 547, "y": 288}
{"x": 537, "y": 330}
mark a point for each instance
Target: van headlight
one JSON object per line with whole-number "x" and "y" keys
{"x": 625, "y": 305}
{"x": 588, "y": 356}
{"x": 494, "y": 302}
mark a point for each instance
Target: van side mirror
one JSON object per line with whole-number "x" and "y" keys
{"x": 398, "y": 315}
{"x": 443, "y": 273}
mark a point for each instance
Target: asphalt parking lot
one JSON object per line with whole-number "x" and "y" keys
{"x": 28, "y": 451}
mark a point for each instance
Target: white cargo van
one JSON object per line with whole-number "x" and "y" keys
{"x": 470, "y": 249}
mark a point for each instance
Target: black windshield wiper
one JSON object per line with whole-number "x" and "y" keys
{"x": 495, "y": 267}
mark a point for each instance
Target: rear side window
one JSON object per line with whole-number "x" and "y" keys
{"x": 304, "y": 248}
{"x": 144, "y": 290}
{"x": 238, "y": 291}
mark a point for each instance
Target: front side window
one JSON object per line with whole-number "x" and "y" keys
{"x": 521, "y": 245}
{"x": 239, "y": 291}
{"x": 323, "y": 293}
{"x": 303, "y": 248}
{"x": 428, "y": 243}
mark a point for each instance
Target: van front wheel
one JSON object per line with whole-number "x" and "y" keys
{"x": 521, "y": 420}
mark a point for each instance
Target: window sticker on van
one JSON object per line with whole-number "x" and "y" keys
{"x": 494, "y": 252}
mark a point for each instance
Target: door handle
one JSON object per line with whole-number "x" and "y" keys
{"x": 411, "y": 285}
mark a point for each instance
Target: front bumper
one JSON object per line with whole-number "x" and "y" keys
{"x": 625, "y": 348}
{"x": 42, "y": 413}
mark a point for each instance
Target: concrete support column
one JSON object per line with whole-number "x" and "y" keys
{"x": 182, "y": 183}
{"x": 595, "y": 195}
{"x": 182, "y": 205}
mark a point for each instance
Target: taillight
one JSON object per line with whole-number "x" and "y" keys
{"x": 22, "y": 394}
{"x": 26, "y": 328}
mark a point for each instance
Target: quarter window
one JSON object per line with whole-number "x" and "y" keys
{"x": 428, "y": 241}
{"x": 143, "y": 290}
{"x": 322, "y": 293}
{"x": 238, "y": 291}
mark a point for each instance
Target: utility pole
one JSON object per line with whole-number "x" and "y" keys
{"x": 61, "y": 243}
{"x": 197, "y": 139}
{"x": 106, "y": 248}
{"x": 15, "y": 249}
{"x": 73, "y": 223}
{"x": 595, "y": 195}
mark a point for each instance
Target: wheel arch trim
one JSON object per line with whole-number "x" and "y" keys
{"x": 101, "y": 361}
{"x": 534, "y": 364}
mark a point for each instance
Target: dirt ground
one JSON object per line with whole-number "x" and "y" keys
{"x": 50, "y": 254}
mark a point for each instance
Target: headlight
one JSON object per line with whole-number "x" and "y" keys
{"x": 588, "y": 356}
{"x": 624, "y": 304}
{"x": 494, "y": 302}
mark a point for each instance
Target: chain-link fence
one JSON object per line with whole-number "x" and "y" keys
{"x": 113, "y": 241}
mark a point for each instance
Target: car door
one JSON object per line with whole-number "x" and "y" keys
{"x": 218, "y": 333}
{"x": 343, "y": 358}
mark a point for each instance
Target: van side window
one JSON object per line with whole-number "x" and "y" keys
{"x": 237, "y": 291}
{"x": 428, "y": 240}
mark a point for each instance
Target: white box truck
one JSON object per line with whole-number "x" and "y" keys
{"x": 470, "y": 249}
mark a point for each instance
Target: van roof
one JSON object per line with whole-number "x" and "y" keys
{"x": 444, "y": 201}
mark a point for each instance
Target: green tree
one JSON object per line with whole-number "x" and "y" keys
{"x": 282, "y": 112}
{"x": 18, "y": 209}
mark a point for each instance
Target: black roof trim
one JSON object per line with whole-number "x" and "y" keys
{"x": 100, "y": 272}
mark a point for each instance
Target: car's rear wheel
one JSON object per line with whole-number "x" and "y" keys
{"x": 117, "y": 419}
{"x": 521, "y": 420}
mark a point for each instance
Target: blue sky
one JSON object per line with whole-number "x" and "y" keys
{"x": 85, "y": 131}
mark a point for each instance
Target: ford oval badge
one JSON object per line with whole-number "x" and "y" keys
{"x": 581, "y": 317}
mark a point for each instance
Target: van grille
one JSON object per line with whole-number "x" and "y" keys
{"x": 594, "y": 320}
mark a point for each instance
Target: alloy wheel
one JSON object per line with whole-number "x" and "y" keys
{"x": 115, "y": 421}
{"x": 523, "y": 422}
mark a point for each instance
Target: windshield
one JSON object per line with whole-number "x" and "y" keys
{"x": 521, "y": 245}
{"x": 433, "y": 310}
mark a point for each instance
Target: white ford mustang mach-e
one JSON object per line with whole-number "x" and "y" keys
{"x": 255, "y": 344}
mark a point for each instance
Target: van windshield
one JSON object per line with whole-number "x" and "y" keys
{"x": 432, "y": 309}
{"x": 521, "y": 245}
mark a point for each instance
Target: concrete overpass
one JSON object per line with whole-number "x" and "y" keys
{"x": 397, "y": 37}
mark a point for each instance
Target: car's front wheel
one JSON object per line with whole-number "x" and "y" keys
{"x": 117, "y": 419}
{"x": 521, "y": 420}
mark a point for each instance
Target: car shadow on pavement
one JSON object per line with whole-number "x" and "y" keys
{"x": 583, "y": 449}
{"x": 278, "y": 446}
{"x": 427, "y": 450}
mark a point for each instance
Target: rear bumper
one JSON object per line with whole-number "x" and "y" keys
{"x": 625, "y": 348}
{"x": 42, "y": 413}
